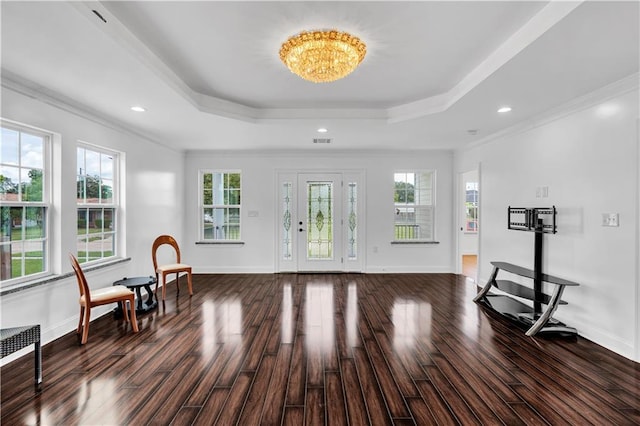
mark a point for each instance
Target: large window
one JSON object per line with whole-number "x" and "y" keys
{"x": 97, "y": 203}
{"x": 24, "y": 202}
{"x": 220, "y": 205}
{"x": 414, "y": 202}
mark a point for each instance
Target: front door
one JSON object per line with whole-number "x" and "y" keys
{"x": 319, "y": 224}
{"x": 320, "y": 221}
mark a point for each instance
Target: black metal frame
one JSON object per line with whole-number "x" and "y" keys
{"x": 534, "y": 222}
{"x": 533, "y": 218}
{"x": 15, "y": 338}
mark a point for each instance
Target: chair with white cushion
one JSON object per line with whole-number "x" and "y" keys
{"x": 101, "y": 296}
{"x": 170, "y": 268}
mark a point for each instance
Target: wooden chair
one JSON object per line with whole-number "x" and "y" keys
{"x": 102, "y": 296}
{"x": 171, "y": 268}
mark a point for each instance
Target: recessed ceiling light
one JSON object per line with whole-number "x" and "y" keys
{"x": 322, "y": 130}
{"x": 505, "y": 109}
{"x": 138, "y": 109}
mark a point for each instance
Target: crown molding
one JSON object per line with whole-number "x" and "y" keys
{"x": 15, "y": 83}
{"x": 329, "y": 153}
{"x": 615, "y": 89}
{"x": 546, "y": 18}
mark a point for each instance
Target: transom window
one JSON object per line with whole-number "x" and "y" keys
{"x": 96, "y": 193}
{"x": 220, "y": 205}
{"x": 24, "y": 197}
{"x": 414, "y": 203}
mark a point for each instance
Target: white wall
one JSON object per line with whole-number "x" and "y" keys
{"x": 154, "y": 182}
{"x": 259, "y": 194}
{"x": 588, "y": 159}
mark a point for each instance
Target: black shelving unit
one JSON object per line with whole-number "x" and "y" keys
{"x": 536, "y": 318}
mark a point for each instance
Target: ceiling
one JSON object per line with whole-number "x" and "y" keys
{"x": 209, "y": 75}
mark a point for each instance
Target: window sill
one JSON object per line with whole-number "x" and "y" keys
{"x": 404, "y": 242}
{"x": 220, "y": 243}
{"x": 26, "y": 285}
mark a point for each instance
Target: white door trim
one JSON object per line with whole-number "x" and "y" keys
{"x": 286, "y": 241}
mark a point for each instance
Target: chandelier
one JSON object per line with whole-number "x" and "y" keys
{"x": 322, "y": 56}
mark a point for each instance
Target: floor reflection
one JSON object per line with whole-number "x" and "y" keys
{"x": 221, "y": 323}
{"x": 411, "y": 321}
{"x": 287, "y": 314}
{"x": 471, "y": 311}
{"x": 351, "y": 317}
{"x": 209, "y": 339}
{"x": 319, "y": 322}
{"x": 92, "y": 397}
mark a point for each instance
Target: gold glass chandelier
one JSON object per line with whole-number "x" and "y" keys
{"x": 322, "y": 56}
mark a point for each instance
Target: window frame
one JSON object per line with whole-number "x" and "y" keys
{"x": 114, "y": 205}
{"x": 202, "y": 206}
{"x": 471, "y": 206}
{"x": 46, "y": 202}
{"x": 432, "y": 206}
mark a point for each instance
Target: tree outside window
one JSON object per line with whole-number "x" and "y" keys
{"x": 220, "y": 198}
{"x": 24, "y": 203}
{"x": 97, "y": 203}
{"x": 414, "y": 204}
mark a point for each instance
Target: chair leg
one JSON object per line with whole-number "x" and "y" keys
{"x": 134, "y": 321}
{"x": 124, "y": 311}
{"x": 178, "y": 282}
{"x": 189, "y": 283}
{"x": 164, "y": 285}
{"x": 157, "y": 282}
{"x": 79, "y": 330}
{"x": 87, "y": 319}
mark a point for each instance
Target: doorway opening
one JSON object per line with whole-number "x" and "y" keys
{"x": 468, "y": 219}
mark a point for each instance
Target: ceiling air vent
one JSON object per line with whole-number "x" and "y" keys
{"x": 321, "y": 140}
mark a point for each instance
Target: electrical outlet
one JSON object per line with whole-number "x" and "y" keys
{"x": 610, "y": 219}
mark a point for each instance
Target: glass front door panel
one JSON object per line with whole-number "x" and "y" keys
{"x": 319, "y": 220}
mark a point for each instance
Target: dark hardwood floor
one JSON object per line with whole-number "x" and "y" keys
{"x": 322, "y": 349}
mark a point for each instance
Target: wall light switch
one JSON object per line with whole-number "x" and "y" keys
{"x": 610, "y": 219}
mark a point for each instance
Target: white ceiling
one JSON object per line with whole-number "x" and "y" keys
{"x": 209, "y": 75}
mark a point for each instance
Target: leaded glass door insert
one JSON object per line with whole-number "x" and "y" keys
{"x": 319, "y": 222}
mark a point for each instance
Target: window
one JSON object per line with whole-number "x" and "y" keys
{"x": 220, "y": 205}
{"x": 471, "y": 204}
{"x": 97, "y": 183}
{"x": 287, "y": 231}
{"x": 414, "y": 200}
{"x": 24, "y": 197}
